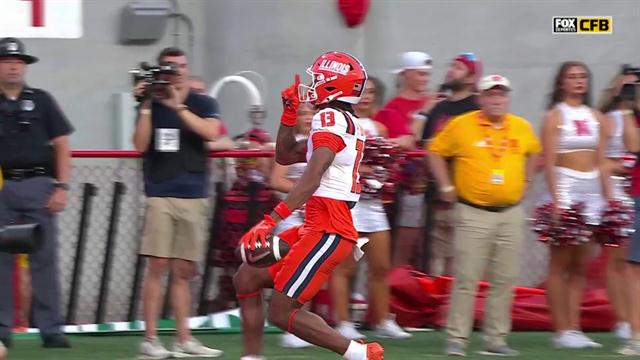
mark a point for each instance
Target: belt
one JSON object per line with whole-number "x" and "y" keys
{"x": 495, "y": 209}
{"x": 17, "y": 174}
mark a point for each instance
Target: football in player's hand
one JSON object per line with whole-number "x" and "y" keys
{"x": 264, "y": 257}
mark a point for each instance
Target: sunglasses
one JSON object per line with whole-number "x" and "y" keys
{"x": 469, "y": 56}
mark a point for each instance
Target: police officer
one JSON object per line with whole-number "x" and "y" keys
{"x": 35, "y": 161}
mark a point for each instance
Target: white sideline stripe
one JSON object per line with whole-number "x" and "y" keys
{"x": 196, "y": 322}
{"x": 88, "y": 328}
{"x": 120, "y": 326}
{"x": 310, "y": 265}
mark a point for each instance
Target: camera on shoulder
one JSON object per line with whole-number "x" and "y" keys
{"x": 628, "y": 91}
{"x": 152, "y": 76}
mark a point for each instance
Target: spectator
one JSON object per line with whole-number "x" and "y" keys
{"x": 399, "y": 114}
{"x": 633, "y": 257}
{"x": 171, "y": 132}
{"x": 573, "y": 152}
{"x": 36, "y": 164}
{"x": 493, "y": 152}
{"x": 283, "y": 179}
{"x": 370, "y": 220}
{"x": 401, "y": 117}
{"x": 461, "y": 79}
{"x": 623, "y": 138}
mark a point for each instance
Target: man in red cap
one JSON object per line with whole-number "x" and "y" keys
{"x": 462, "y": 75}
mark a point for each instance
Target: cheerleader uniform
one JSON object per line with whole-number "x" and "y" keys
{"x": 369, "y": 215}
{"x": 578, "y": 130}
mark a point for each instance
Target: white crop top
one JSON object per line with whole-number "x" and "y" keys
{"x": 578, "y": 130}
{"x": 369, "y": 127}
{"x": 615, "y": 144}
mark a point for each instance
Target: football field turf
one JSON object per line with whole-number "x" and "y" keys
{"x": 424, "y": 345}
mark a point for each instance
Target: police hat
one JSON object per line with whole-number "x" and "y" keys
{"x": 13, "y": 47}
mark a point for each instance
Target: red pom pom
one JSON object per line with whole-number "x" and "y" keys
{"x": 570, "y": 228}
{"x": 381, "y": 156}
{"x": 616, "y": 226}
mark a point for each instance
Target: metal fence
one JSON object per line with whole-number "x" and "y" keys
{"x": 99, "y": 265}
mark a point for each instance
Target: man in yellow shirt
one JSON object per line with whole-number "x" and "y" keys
{"x": 493, "y": 152}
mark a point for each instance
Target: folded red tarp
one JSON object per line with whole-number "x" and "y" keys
{"x": 422, "y": 301}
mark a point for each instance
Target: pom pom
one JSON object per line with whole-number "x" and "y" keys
{"x": 617, "y": 225}
{"x": 570, "y": 228}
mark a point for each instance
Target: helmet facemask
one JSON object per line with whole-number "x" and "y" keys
{"x": 308, "y": 93}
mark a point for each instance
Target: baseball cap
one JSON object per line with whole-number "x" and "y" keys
{"x": 491, "y": 81}
{"x": 471, "y": 61}
{"x": 414, "y": 60}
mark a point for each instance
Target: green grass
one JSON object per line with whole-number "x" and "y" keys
{"x": 424, "y": 345}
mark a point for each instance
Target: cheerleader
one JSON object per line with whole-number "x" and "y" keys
{"x": 576, "y": 182}
{"x": 370, "y": 220}
{"x": 623, "y": 138}
{"x": 623, "y": 277}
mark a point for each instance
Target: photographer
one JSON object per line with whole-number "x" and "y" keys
{"x": 172, "y": 129}
{"x": 621, "y": 102}
{"x": 35, "y": 161}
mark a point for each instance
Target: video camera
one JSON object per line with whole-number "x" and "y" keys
{"x": 20, "y": 239}
{"x": 628, "y": 91}
{"x": 150, "y": 75}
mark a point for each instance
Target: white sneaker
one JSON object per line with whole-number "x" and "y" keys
{"x": 390, "y": 329}
{"x": 622, "y": 330}
{"x": 193, "y": 348}
{"x": 152, "y": 349}
{"x": 567, "y": 340}
{"x": 288, "y": 340}
{"x": 573, "y": 339}
{"x": 589, "y": 343}
{"x": 348, "y": 330}
{"x": 630, "y": 348}
{"x": 253, "y": 357}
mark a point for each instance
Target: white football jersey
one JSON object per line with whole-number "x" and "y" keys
{"x": 341, "y": 181}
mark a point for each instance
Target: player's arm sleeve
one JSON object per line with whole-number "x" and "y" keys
{"x": 329, "y": 140}
{"x": 445, "y": 142}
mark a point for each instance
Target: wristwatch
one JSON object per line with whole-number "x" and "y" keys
{"x": 447, "y": 189}
{"x": 61, "y": 185}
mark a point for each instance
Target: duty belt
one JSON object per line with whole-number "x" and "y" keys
{"x": 17, "y": 174}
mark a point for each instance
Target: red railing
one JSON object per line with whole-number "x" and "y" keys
{"x": 214, "y": 154}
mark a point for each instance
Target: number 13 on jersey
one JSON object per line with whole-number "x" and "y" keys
{"x": 355, "y": 188}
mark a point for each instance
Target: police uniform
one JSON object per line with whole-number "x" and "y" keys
{"x": 28, "y": 124}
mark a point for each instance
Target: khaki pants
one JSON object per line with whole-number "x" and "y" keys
{"x": 485, "y": 241}
{"x": 442, "y": 233}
